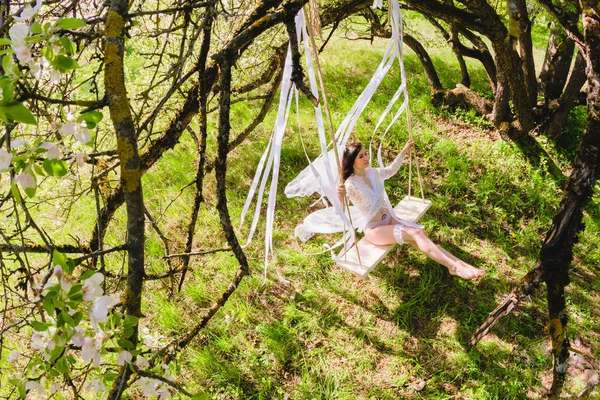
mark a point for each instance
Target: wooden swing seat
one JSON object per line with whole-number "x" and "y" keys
{"x": 409, "y": 209}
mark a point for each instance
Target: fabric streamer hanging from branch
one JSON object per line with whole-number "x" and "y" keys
{"x": 321, "y": 175}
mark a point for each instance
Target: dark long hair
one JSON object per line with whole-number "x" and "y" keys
{"x": 350, "y": 154}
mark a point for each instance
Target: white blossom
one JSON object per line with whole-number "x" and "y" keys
{"x": 82, "y": 135}
{"x": 80, "y": 158}
{"x": 89, "y": 351}
{"x": 55, "y": 388}
{"x": 18, "y": 33}
{"x": 149, "y": 340}
{"x": 14, "y": 356}
{"x": 124, "y": 357}
{"x": 55, "y": 76}
{"x": 91, "y": 287}
{"x": 101, "y": 306}
{"x": 100, "y": 337}
{"x": 149, "y": 386}
{"x": 5, "y": 159}
{"x": 35, "y": 69}
{"x": 53, "y": 151}
{"x": 23, "y": 54}
{"x": 28, "y": 12}
{"x": 78, "y": 339}
{"x": 68, "y": 129}
{"x": 164, "y": 393}
{"x": 141, "y": 362}
{"x": 98, "y": 386}
{"x": 26, "y": 179}
{"x": 38, "y": 341}
{"x": 35, "y": 385}
{"x": 17, "y": 143}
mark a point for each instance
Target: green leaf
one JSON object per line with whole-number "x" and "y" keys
{"x": 59, "y": 258}
{"x": 130, "y": 321}
{"x": 75, "y": 290}
{"x": 36, "y": 28}
{"x": 5, "y": 42}
{"x": 201, "y": 396}
{"x": 7, "y": 62}
{"x": 127, "y": 332}
{"x": 78, "y": 316}
{"x": 62, "y": 366}
{"x": 18, "y": 112}
{"x": 37, "y": 169}
{"x": 109, "y": 376}
{"x": 34, "y": 39}
{"x": 39, "y": 326}
{"x": 70, "y": 266}
{"x": 56, "y": 168}
{"x": 8, "y": 90}
{"x": 91, "y": 118}
{"x": 67, "y": 318}
{"x": 30, "y": 192}
{"x": 70, "y": 23}
{"x": 64, "y": 63}
{"x": 21, "y": 389}
{"x": 87, "y": 274}
{"x": 48, "y": 303}
{"x": 68, "y": 45}
{"x": 58, "y": 350}
{"x": 16, "y": 194}
{"x": 48, "y": 53}
{"x": 126, "y": 344}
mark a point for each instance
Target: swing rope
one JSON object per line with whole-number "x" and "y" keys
{"x": 315, "y": 53}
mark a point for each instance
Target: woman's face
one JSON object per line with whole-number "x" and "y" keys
{"x": 362, "y": 159}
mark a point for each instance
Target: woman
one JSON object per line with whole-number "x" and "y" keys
{"x": 364, "y": 187}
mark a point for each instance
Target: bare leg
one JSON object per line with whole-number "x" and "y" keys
{"x": 383, "y": 235}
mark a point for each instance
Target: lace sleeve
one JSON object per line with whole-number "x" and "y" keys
{"x": 351, "y": 190}
{"x": 390, "y": 170}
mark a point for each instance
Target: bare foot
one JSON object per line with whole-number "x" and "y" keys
{"x": 465, "y": 271}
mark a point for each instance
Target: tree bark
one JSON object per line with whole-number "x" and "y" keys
{"x": 127, "y": 149}
{"x": 203, "y": 89}
{"x": 557, "y": 62}
{"x": 428, "y": 67}
{"x": 462, "y": 96}
{"x": 557, "y": 253}
{"x": 555, "y": 125}
{"x": 526, "y": 52}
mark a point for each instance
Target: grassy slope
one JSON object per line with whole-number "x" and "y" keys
{"x": 330, "y": 335}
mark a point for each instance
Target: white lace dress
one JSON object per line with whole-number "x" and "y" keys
{"x": 369, "y": 196}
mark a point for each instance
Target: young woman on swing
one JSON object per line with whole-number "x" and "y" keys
{"x": 364, "y": 187}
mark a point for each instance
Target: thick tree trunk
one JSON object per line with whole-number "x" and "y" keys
{"x": 462, "y": 96}
{"x": 555, "y": 125}
{"x": 127, "y": 149}
{"x": 455, "y": 43}
{"x": 526, "y": 52}
{"x": 428, "y": 67}
{"x": 557, "y": 252}
{"x": 557, "y": 63}
{"x": 509, "y": 68}
{"x": 481, "y": 53}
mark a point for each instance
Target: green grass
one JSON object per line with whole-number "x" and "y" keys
{"x": 329, "y": 335}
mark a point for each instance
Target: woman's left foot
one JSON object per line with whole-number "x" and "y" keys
{"x": 466, "y": 271}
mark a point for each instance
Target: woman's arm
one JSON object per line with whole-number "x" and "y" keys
{"x": 391, "y": 169}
